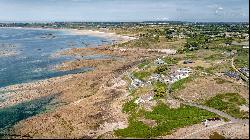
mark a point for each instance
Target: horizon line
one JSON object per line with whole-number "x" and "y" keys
{"x": 124, "y": 21}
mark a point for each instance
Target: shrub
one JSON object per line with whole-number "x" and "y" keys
{"x": 162, "y": 69}
{"x": 170, "y": 60}
{"x": 160, "y": 89}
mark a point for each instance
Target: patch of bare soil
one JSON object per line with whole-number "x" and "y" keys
{"x": 173, "y": 103}
{"x": 151, "y": 123}
{"x": 199, "y": 131}
{"x": 196, "y": 63}
{"x": 203, "y": 88}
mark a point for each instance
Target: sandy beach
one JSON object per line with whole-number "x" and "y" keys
{"x": 102, "y": 34}
{"x": 109, "y": 35}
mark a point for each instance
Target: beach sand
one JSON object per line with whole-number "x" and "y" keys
{"x": 109, "y": 35}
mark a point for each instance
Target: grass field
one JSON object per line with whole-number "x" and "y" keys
{"x": 229, "y": 103}
{"x": 141, "y": 75}
{"x": 180, "y": 84}
{"x": 129, "y": 106}
{"x": 167, "y": 121}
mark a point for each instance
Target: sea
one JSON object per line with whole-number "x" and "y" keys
{"x": 27, "y": 55}
{"x": 32, "y": 53}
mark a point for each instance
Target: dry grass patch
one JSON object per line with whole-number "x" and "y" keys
{"x": 196, "y": 63}
{"x": 203, "y": 88}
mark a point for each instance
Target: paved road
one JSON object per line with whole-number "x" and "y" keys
{"x": 218, "y": 112}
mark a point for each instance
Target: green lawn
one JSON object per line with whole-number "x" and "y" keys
{"x": 180, "y": 84}
{"x": 129, "y": 106}
{"x": 229, "y": 103}
{"x": 242, "y": 59}
{"x": 167, "y": 120}
{"x": 141, "y": 75}
{"x": 143, "y": 64}
{"x": 214, "y": 57}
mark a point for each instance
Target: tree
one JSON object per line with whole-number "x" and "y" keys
{"x": 228, "y": 41}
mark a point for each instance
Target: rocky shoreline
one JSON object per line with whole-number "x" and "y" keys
{"x": 83, "y": 95}
{"x": 8, "y": 50}
{"x": 18, "y": 93}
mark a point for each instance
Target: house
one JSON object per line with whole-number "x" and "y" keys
{"x": 245, "y": 47}
{"x": 178, "y": 75}
{"x": 145, "y": 98}
{"x": 184, "y": 70}
{"x": 155, "y": 77}
{"x": 136, "y": 83}
{"x": 245, "y": 71}
{"x": 158, "y": 61}
{"x": 232, "y": 75}
{"x": 187, "y": 62}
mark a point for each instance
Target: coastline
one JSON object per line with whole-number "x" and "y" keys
{"x": 102, "y": 34}
{"x": 17, "y": 92}
{"x": 96, "y": 33}
{"x": 95, "y": 96}
{"x": 91, "y": 91}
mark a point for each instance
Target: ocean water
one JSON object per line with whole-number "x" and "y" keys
{"x": 13, "y": 114}
{"x": 34, "y": 60}
{"x": 34, "y": 49}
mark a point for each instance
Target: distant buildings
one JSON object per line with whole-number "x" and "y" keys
{"x": 232, "y": 75}
{"x": 246, "y": 47}
{"x": 136, "y": 83}
{"x": 155, "y": 77}
{"x": 187, "y": 62}
{"x": 178, "y": 75}
{"x": 245, "y": 71}
{"x": 145, "y": 98}
{"x": 159, "y": 61}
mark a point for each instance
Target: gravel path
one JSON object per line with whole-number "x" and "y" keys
{"x": 218, "y": 112}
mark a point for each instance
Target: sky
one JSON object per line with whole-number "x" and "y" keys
{"x": 124, "y": 10}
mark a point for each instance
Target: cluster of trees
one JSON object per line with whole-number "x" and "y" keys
{"x": 196, "y": 41}
{"x": 228, "y": 40}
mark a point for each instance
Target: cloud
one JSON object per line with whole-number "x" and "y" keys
{"x": 220, "y": 8}
{"x": 182, "y": 9}
{"x": 212, "y": 6}
{"x": 161, "y": 18}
